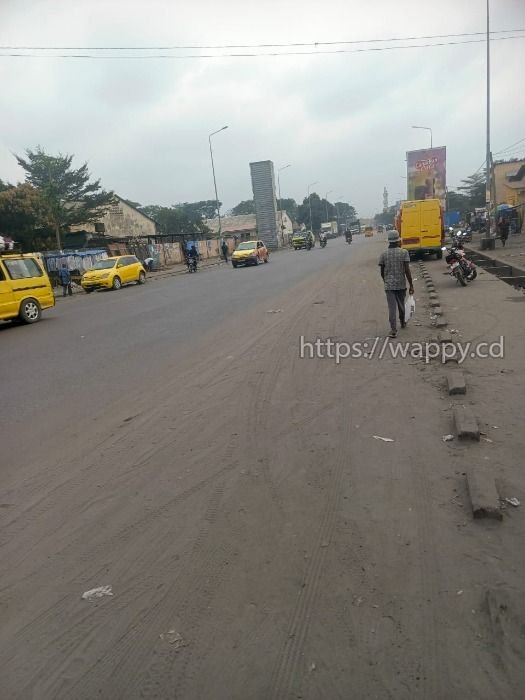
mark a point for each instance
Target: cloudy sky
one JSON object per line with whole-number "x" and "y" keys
{"x": 342, "y": 119}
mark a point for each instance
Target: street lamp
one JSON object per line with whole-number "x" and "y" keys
{"x": 310, "y": 203}
{"x": 427, "y": 128}
{"x": 488, "y": 194}
{"x": 326, "y": 203}
{"x": 279, "y": 189}
{"x": 214, "y": 178}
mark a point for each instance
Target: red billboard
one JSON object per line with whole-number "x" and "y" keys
{"x": 426, "y": 174}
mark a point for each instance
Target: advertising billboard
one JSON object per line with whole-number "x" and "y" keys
{"x": 426, "y": 174}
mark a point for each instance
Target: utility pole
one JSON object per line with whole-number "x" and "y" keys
{"x": 217, "y": 203}
{"x": 488, "y": 194}
{"x": 326, "y": 203}
{"x": 310, "y": 205}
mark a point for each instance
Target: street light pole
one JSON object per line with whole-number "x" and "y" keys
{"x": 217, "y": 204}
{"x": 427, "y": 128}
{"x": 326, "y": 203}
{"x": 279, "y": 189}
{"x": 310, "y": 204}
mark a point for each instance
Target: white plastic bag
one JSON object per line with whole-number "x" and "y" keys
{"x": 410, "y": 307}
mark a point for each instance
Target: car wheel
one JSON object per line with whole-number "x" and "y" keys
{"x": 88, "y": 291}
{"x": 117, "y": 284}
{"x": 234, "y": 264}
{"x": 257, "y": 261}
{"x": 142, "y": 278}
{"x": 30, "y": 311}
{"x": 266, "y": 258}
{"x": 439, "y": 255}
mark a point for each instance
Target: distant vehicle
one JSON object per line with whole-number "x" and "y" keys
{"x": 113, "y": 273}
{"x": 250, "y": 253}
{"x": 329, "y": 228}
{"x": 420, "y": 224}
{"x": 380, "y": 228}
{"x": 25, "y": 288}
{"x": 369, "y": 231}
{"x": 302, "y": 240}
{"x": 390, "y": 227}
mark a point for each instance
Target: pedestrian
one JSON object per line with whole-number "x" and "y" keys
{"x": 224, "y": 249}
{"x": 394, "y": 264}
{"x": 503, "y": 230}
{"x": 65, "y": 280}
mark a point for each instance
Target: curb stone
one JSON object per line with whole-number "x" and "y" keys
{"x": 456, "y": 383}
{"x": 483, "y": 495}
{"x": 441, "y": 322}
{"x": 444, "y": 337}
{"x": 467, "y": 427}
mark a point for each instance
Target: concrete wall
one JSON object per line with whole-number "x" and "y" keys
{"x": 122, "y": 221}
{"x": 263, "y": 186}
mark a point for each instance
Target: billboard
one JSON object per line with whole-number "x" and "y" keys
{"x": 426, "y": 174}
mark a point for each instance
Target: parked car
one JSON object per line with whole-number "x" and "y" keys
{"x": 25, "y": 288}
{"x": 250, "y": 253}
{"x": 112, "y": 273}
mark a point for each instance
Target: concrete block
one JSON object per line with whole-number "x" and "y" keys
{"x": 435, "y": 303}
{"x": 482, "y": 491}
{"x": 433, "y": 295}
{"x": 456, "y": 383}
{"x": 444, "y": 337}
{"x": 467, "y": 427}
{"x": 437, "y": 310}
{"x": 441, "y": 322}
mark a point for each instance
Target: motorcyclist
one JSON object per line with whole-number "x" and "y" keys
{"x": 322, "y": 238}
{"x": 348, "y": 236}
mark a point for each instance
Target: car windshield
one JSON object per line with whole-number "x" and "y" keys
{"x": 104, "y": 264}
{"x": 248, "y": 245}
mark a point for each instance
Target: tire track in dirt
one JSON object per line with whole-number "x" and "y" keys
{"x": 288, "y": 663}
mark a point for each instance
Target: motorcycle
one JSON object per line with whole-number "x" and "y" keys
{"x": 192, "y": 264}
{"x": 460, "y": 266}
{"x": 322, "y": 242}
{"x": 348, "y": 237}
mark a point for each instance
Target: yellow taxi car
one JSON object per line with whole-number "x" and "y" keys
{"x": 369, "y": 231}
{"x": 25, "y": 288}
{"x": 250, "y": 253}
{"x": 112, "y": 273}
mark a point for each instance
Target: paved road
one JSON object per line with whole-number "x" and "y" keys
{"x": 261, "y": 543}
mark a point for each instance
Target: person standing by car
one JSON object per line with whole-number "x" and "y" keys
{"x": 394, "y": 264}
{"x": 224, "y": 250}
{"x": 65, "y": 280}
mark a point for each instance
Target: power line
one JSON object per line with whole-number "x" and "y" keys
{"x": 256, "y": 55}
{"x": 255, "y": 46}
{"x": 508, "y": 148}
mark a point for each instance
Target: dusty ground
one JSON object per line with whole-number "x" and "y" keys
{"x": 260, "y": 542}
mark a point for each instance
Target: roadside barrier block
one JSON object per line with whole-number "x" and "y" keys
{"x": 456, "y": 383}
{"x": 441, "y": 322}
{"x": 482, "y": 491}
{"x": 435, "y": 303}
{"x": 444, "y": 337}
{"x": 467, "y": 427}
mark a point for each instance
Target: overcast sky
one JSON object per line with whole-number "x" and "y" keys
{"x": 343, "y": 120}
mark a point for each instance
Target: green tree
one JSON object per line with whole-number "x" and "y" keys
{"x": 25, "y": 216}
{"x": 70, "y": 196}
{"x": 346, "y": 211}
{"x": 456, "y": 201}
{"x": 473, "y": 187}
{"x": 174, "y": 219}
{"x": 247, "y": 206}
{"x": 4, "y": 186}
{"x": 316, "y": 206}
{"x": 205, "y": 209}
{"x": 289, "y": 205}
{"x": 386, "y": 217}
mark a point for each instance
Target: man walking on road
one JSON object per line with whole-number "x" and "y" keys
{"x": 65, "y": 281}
{"x": 395, "y": 266}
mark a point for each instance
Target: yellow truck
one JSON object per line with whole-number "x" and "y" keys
{"x": 420, "y": 225}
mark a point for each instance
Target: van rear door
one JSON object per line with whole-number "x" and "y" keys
{"x": 430, "y": 224}
{"x": 410, "y": 225}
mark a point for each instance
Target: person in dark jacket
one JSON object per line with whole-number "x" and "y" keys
{"x": 65, "y": 280}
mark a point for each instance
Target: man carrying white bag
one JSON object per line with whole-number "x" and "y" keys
{"x": 394, "y": 264}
